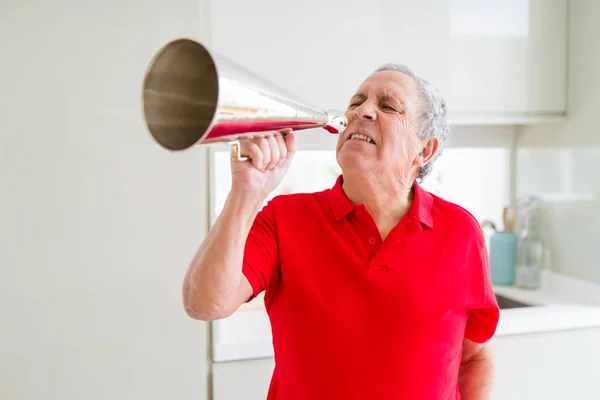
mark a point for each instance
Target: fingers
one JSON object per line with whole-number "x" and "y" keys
{"x": 274, "y": 151}
{"x": 258, "y": 150}
{"x": 282, "y": 148}
{"x": 270, "y": 151}
{"x": 290, "y": 143}
{"x": 252, "y": 150}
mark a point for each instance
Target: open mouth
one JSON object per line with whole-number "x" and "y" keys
{"x": 360, "y": 136}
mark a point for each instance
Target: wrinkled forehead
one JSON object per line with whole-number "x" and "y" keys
{"x": 388, "y": 84}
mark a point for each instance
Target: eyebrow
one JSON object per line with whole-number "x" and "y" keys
{"x": 361, "y": 96}
{"x": 384, "y": 97}
{"x": 392, "y": 99}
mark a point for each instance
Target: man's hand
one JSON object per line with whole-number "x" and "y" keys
{"x": 476, "y": 372}
{"x": 269, "y": 156}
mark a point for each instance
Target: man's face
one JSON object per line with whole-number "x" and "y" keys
{"x": 385, "y": 110}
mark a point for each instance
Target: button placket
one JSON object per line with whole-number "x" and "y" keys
{"x": 369, "y": 229}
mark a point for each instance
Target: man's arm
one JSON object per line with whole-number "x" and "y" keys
{"x": 476, "y": 372}
{"x": 214, "y": 285}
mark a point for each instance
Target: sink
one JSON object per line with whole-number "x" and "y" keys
{"x": 506, "y": 302}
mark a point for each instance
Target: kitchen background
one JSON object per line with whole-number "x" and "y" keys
{"x": 98, "y": 224}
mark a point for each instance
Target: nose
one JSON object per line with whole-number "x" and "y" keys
{"x": 365, "y": 111}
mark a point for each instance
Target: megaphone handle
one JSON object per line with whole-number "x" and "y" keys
{"x": 236, "y": 151}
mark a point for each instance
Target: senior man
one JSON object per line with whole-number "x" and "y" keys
{"x": 375, "y": 288}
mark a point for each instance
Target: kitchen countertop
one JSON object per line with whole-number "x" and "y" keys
{"x": 562, "y": 303}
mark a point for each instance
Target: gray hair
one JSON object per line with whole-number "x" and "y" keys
{"x": 432, "y": 121}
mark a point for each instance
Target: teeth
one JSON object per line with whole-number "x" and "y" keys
{"x": 359, "y": 136}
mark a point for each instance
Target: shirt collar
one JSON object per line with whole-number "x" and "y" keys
{"x": 341, "y": 206}
{"x": 422, "y": 205}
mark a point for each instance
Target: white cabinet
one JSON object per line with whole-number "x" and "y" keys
{"x": 498, "y": 60}
{"x": 248, "y": 380}
{"x": 554, "y": 365}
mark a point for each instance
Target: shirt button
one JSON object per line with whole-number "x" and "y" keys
{"x": 372, "y": 240}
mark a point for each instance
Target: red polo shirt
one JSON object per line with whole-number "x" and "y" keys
{"x": 353, "y": 317}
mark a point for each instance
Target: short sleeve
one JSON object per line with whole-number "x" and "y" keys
{"x": 261, "y": 253}
{"x": 483, "y": 312}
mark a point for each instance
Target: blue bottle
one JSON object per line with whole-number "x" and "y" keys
{"x": 503, "y": 257}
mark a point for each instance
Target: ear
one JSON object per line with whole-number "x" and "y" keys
{"x": 428, "y": 151}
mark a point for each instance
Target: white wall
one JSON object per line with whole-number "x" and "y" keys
{"x": 561, "y": 162}
{"x": 97, "y": 223}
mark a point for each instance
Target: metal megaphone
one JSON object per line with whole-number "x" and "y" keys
{"x": 193, "y": 96}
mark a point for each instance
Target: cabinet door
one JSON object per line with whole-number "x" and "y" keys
{"x": 248, "y": 380}
{"x": 552, "y": 365}
{"x": 492, "y": 58}
{"x": 508, "y": 57}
